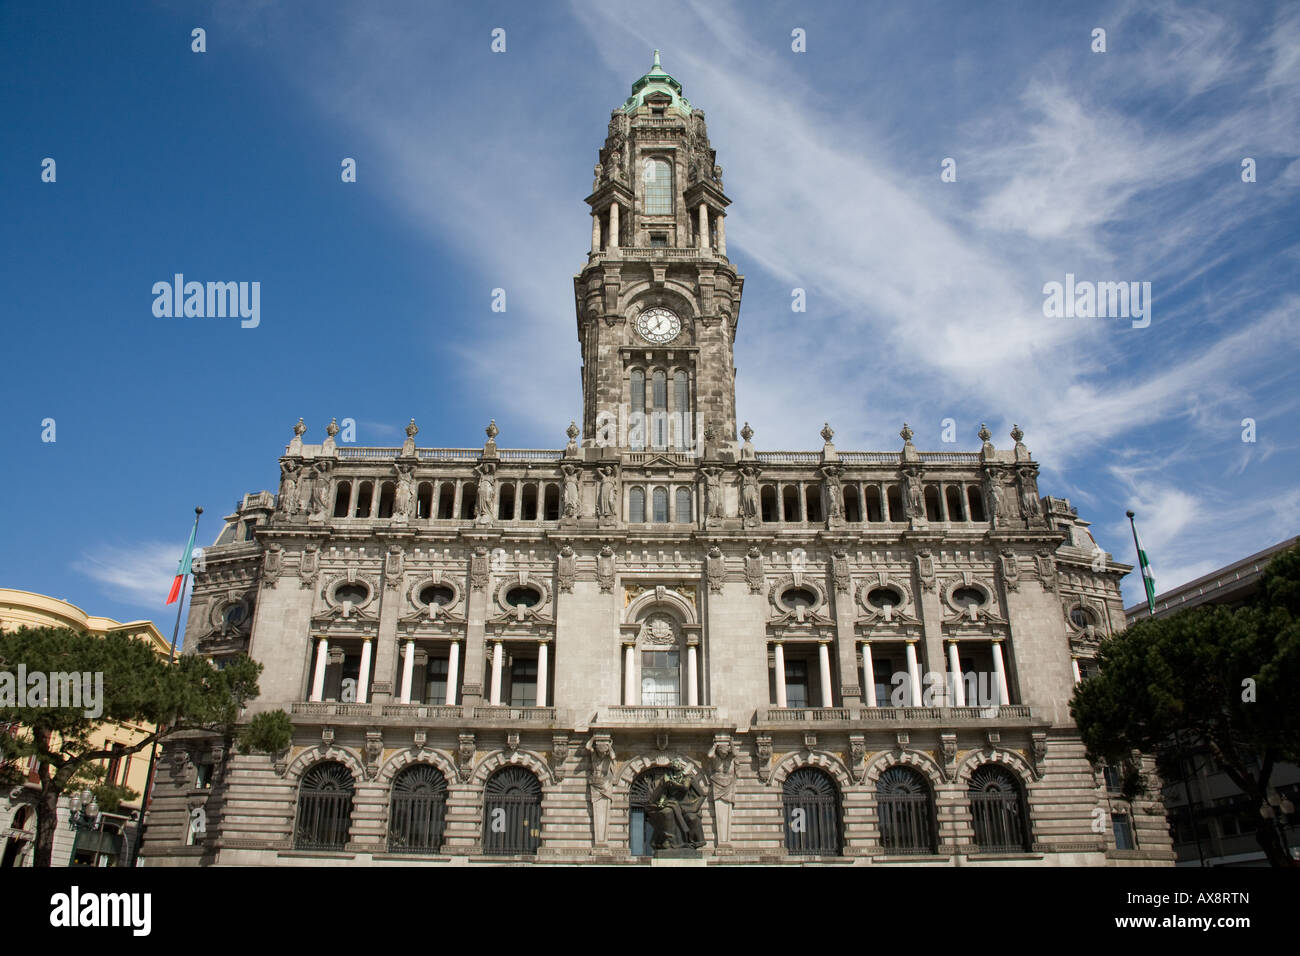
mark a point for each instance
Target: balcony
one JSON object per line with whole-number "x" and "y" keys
{"x": 651, "y": 716}
{"x": 422, "y": 713}
{"x": 882, "y": 717}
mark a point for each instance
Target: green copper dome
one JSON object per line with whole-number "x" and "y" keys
{"x": 657, "y": 81}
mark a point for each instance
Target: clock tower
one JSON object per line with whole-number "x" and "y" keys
{"x": 658, "y": 300}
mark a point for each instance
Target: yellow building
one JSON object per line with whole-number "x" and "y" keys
{"x": 18, "y": 816}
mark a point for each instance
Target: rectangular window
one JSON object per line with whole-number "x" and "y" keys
{"x": 203, "y": 776}
{"x": 660, "y": 678}
{"x": 1123, "y": 829}
{"x": 658, "y": 240}
{"x": 435, "y": 681}
{"x": 796, "y": 683}
{"x": 523, "y": 683}
{"x": 884, "y": 670}
{"x": 1112, "y": 777}
{"x": 658, "y": 188}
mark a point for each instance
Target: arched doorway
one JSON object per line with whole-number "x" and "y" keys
{"x": 512, "y": 813}
{"x": 417, "y": 813}
{"x": 813, "y": 823}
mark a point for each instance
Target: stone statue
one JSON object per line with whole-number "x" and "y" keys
{"x": 572, "y": 491}
{"x": 749, "y": 504}
{"x": 288, "y": 502}
{"x": 674, "y": 808}
{"x": 402, "y": 497}
{"x": 319, "y": 488}
{"x": 486, "y": 495}
{"x": 915, "y": 496}
{"x": 607, "y": 500}
{"x": 722, "y": 776}
{"x": 1028, "y": 493}
{"x": 713, "y": 492}
{"x": 834, "y": 496}
{"x": 600, "y": 785}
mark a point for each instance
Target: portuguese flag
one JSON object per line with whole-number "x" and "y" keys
{"x": 184, "y": 568}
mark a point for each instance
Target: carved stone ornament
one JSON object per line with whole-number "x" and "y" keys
{"x": 902, "y": 740}
{"x": 374, "y": 751}
{"x": 419, "y": 739}
{"x": 715, "y": 569}
{"x": 393, "y": 567}
{"x": 326, "y": 738}
{"x": 465, "y": 757}
{"x": 1047, "y": 570}
{"x": 949, "y": 752}
{"x": 512, "y": 741}
{"x": 272, "y": 564}
{"x": 408, "y": 446}
{"x": 658, "y": 629}
{"x": 1038, "y": 752}
{"x": 857, "y": 756}
{"x": 605, "y": 568}
{"x": 559, "y": 753}
{"x": 1010, "y": 570}
{"x": 478, "y": 569}
{"x": 763, "y": 745}
{"x": 840, "y": 571}
{"x": 754, "y": 570}
{"x": 567, "y": 568}
{"x": 925, "y": 569}
{"x": 288, "y": 501}
{"x": 308, "y": 566}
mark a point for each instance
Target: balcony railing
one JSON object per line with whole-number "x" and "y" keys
{"x": 530, "y": 714}
{"x": 430, "y": 711}
{"x": 656, "y": 715}
{"x": 783, "y": 714}
{"x": 929, "y": 715}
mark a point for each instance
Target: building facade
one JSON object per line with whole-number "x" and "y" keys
{"x": 492, "y": 653}
{"x": 1212, "y": 821}
{"x": 109, "y": 842}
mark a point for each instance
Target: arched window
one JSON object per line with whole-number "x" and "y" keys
{"x": 324, "y": 807}
{"x": 813, "y": 502}
{"x": 387, "y": 494}
{"x": 342, "y": 498}
{"x": 418, "y": 812}
{"x": 447, "y": 500}
{"x": 512, "y": 813}
{"x": 812, "y": 813}
{"x": 637, "y": 426}
{"x": 681, "y": 410}
{"x": 906, "y": 812}
{"x": 976, "y": 512}
{"x": 932, "y": 502}
{"x": 658, "y": 176}
{"x": 506, "y": 502}
{"x": 874, "y": 512}
{"x": 767, "y": 503}
{"x": 424, "y": 500}
{"x": 365, "y": 492}
{"x": 998, "y": 809}
{"x": 640, "y": 833}
{"x": 682, "y": 512}
{"x": 551, "y": 504}
{"x": 894, "y": 495}
{"x": 661, "y": 505}
{"x": 636, "y": 506}
{"x": 468, "y": 499}
{"x": 790, "y": 502}
{"x": 955, "y": 510}
{"x": 852, "y": 504}
{"x": 528, "y": 503}
{"x": 659, "y": 410}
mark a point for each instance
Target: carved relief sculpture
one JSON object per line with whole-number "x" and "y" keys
{"x": 600, "y": 785}
{"x": 722, "y": 778}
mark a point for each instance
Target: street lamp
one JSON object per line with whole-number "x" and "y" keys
{"x": 85, "y": 810}
{"x": 1277, "y": 808}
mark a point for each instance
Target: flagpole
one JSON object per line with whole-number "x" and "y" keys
{"x": 153, "y": 749}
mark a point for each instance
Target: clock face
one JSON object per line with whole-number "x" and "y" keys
{"x": 658, "y": 325}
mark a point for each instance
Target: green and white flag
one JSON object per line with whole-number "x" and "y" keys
{"x": 1148, "y": 579}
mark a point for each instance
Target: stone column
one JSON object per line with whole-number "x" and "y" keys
{"x": 722, "y": 235}
{"x": 542, "y": 662}
{"x": 363, "y": 679}
{"x": 629, "y": 674}
{"x": 824, "y": 664}
{"x": 595, "y": 232}
{"x": 704, "y": 227}
{"x": 1000, "y": 674}
{"x": 455, "y": 498}
{"x": 913, "y": 674}
{"x": 869, "y": 675}
{"x": 318, "y": 676}
{"x": 1074, "y": 666}
{"x": 613, "y": 227}
{"x": 408, "y": 671}
{"x": 692, "y": 677}
{"x": 780, "y": 675}
{"x": 955, "y": 676}
{"x": 453, "y": 673}
{"x": 497, "y": 652}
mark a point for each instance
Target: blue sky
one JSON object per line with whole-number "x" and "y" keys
{"x": 924, "y": 297}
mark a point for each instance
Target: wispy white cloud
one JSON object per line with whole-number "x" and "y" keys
{"x": 137, "y": 574}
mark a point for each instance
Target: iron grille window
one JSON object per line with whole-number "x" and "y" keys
{"x": 418, "y": 813}
{"x": 640, "y": 833}
{"x": 512, "y": 813}
{"x": 812, "y": 814}
{"x": 324, "y": 808}
{"x": 998, "y": 810}
{"x": 906, "y": 812}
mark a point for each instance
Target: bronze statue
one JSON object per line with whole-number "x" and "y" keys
{"x": 674, "y": 810}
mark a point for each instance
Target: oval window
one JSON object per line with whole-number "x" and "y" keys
{"x": 794, "y": 598}
{"x": 528, "y": 597}
{"x": 356, "y": 593}
{"x": 438, "y": 594}
{"x": 884, "y": 597}
{"x": 1081, "y": 617}
{"x": 966, "y": 597}
{"x": 233, "y": 615}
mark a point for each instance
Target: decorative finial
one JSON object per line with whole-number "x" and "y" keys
{"x": 747, "y": 433}
{"x": 411, "y": 429}
{"x": 492, "y": 430}
{"x": 656, "y": 64}
{"x": 906, "y": 434}
{"x": 985, "y": 434}
{"x": 827, "y": 433}
{"x": 1016, "y": 434}
{"x": 300, "y": 429}
{"x": 332, "y": 428}
{"x": 572, "y": 430}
